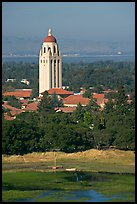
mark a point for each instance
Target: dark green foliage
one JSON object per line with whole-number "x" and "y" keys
{"x": 78, "y": 114}
{"x": 12, "y": 101}
{"x": 92, "y": 106}
{"x": 88, "y": 119}
{"x": 60, "y": 132}
{"x": 48, "y": 103}
{"x": 45, "y": 103}
{"x": 121, "y": 104}
{"x": 99, "y": 75}
{"x": 20, "y": 137}
{"x": 109, "y": 107}
{"x": 19, "y": 71}
{"x": 68, "y": 132}
{"x": 87, "y": 94}
{"x": 102, "y": 122}
{"x": 55, "y": 102}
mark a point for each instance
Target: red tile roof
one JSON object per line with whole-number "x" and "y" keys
{"x": 19, "y": 93}
{"x": 101, "y": 102}
{"x": 24, "y": 102}
{"x": 50, "y": 39}
{"x": 16, "y": 112}
{"x": 75, "y": 99}
{"x": 7, "y": 117}
{"x": 95, "y": 95}
{"x": 59, "y": 91}
{"x": 32, "y": 106}
{"x": 105, "y": 100}
{"x": 5, "y": 105}
{"x": 65, "y": 109}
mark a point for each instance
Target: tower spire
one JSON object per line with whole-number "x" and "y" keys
{"x": 49, "y": 32}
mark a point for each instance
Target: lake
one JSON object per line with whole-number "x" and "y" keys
{"x": 67, "y": 187}
{"x": 75, "y": 196}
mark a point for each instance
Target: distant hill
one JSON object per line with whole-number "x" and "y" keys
{"x": 20, "y": 45}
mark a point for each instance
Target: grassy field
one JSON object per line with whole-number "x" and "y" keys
{"x": 27, "y": 176}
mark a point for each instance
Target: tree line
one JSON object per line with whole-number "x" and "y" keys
{"x": 85, "y": 128}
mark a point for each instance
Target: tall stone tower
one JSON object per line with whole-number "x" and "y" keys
{"x": 50, "y": 64}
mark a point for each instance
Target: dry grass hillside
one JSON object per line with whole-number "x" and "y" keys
{"x": 91, "y": 160}
{"x": 89, "y": 154}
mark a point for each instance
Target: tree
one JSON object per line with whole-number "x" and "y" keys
{"x": 78, "y": 114}
{"x": 34, "y": 93}
{"x": 13, "y": 101}
{"x": 92, "y": 106}
{"x": 102, "y": 122}
{"x": 109, "y": 106}
{"x": 87, "y": 94}
{"x": 125, "y": 139}
{"x": 55, "y": 102}
{"x": 45, "y": 103}
{"x": 20, "y": 136}
{"x": 88, "y": 120}
{"x": 121, "y": 101}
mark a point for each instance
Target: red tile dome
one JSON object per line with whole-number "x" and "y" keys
{"x": 50, "y": 38}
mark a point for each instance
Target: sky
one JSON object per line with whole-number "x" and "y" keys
{"x": 96, "y": 21}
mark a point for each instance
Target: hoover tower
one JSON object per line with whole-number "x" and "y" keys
{"x": 50, "y": 64}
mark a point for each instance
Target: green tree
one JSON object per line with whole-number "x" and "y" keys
{"x": 88, "y": 120}
{"x": 20, "y": 136}
{"x": 13, "y": 101}
{"x": 121, "y": 101}
{"x": 55, "y": 102}
{"x": 45, "y": 104}
{"x": 78, "y": 114}
{"x": 109, "y": 106}
{"x": 125, "y": 139}
{"x": 87, "y": 94}
{"x": 102, "y": 122}
{"x": 93, "y": 106}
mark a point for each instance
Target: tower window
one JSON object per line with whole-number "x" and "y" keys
{"x": 44, "y": 50}
{"x": 54, "y": 49}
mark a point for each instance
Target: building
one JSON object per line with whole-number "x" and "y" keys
{"x": 61, "y": 93}
{"x": 74, "y": 100}
{"x": 65, "y": 109}
{"x": 25, "y": 81}
{"x": 100, "y": 100}
{"x": 50, "y": 64}
{"x": 19, "y": 93}
{"x": 10, "y": 80}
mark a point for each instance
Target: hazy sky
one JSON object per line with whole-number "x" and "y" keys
{"x": 112, "y": 21}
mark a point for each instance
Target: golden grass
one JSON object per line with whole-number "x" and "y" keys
{"x": 127, "y": 156}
